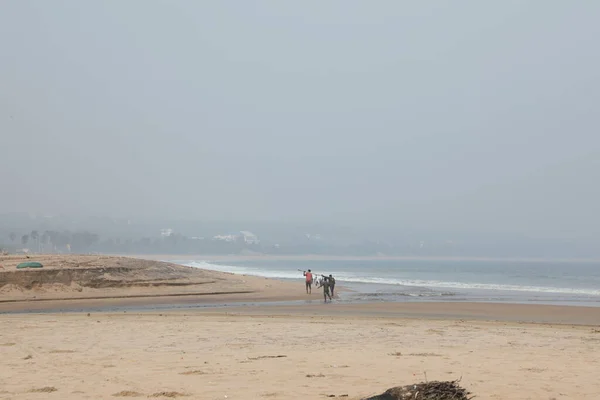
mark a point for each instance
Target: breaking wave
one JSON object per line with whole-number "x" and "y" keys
{"x": 346, "y": 276}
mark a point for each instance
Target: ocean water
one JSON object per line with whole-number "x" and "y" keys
{"x": 566, "y": 283}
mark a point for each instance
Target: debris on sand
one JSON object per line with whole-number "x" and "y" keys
{"x": 127, "y": 393}
{"x": 168, "y": 394}
{"x": 47, "y": 389}
{"x": 194, "y": 372}
{"x": 425, "y": 391}
{"x": 262, "y": 357}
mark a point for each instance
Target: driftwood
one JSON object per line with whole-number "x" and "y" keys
{"x": 425, "y": 391}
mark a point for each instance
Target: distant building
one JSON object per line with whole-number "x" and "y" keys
{"x": 226, "y": 238}
{"x": 243, "y": 236}
{"x": 249, "y": 237}
{"x": 166, "y": 232}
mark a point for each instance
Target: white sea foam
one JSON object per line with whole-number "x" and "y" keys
{"x": 344, "y": 276}
{"x": 244, "y": 270}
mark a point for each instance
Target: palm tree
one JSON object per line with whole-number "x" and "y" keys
{"x": 24, "y": 239}
{"x": 12, "y": 236}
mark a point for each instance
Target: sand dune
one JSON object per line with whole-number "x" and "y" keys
{"x": 103, "y": 277}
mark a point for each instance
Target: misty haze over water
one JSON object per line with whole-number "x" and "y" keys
{"x": 425, "y": 129}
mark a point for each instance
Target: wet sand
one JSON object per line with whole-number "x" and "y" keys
{"x": 516, "y": 313}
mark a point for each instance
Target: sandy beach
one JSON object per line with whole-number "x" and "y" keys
{"x": 306, "y": 350}
{"x": 225, "y": 355}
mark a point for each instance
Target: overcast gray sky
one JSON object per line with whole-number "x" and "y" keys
{"x": 466, "y": 115}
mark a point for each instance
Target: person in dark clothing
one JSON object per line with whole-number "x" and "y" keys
{"x": 326, "y": 287}
{"x": 331, "y": 284}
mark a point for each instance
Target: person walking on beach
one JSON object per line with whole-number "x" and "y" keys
{"x": 309, "y": 281}
{"x": 331, "y": 284}
{"x": 325, "y": 285}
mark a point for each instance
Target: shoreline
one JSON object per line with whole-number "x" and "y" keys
{"x": 393, "y": 287}
{"x": 248, "y": 305}
{"x": 205, "y": 291}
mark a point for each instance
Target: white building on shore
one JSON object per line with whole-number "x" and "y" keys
{"x": 245, "y": 236}
{"x": 166, "y": 232}
{"x": 249, "y": 237}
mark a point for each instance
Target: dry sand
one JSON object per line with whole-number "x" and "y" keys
{"x": 220, "y": 356}
{"x": 302, "y": 351}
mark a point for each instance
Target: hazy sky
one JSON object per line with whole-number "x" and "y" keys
{"x": 466, "y": 115}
